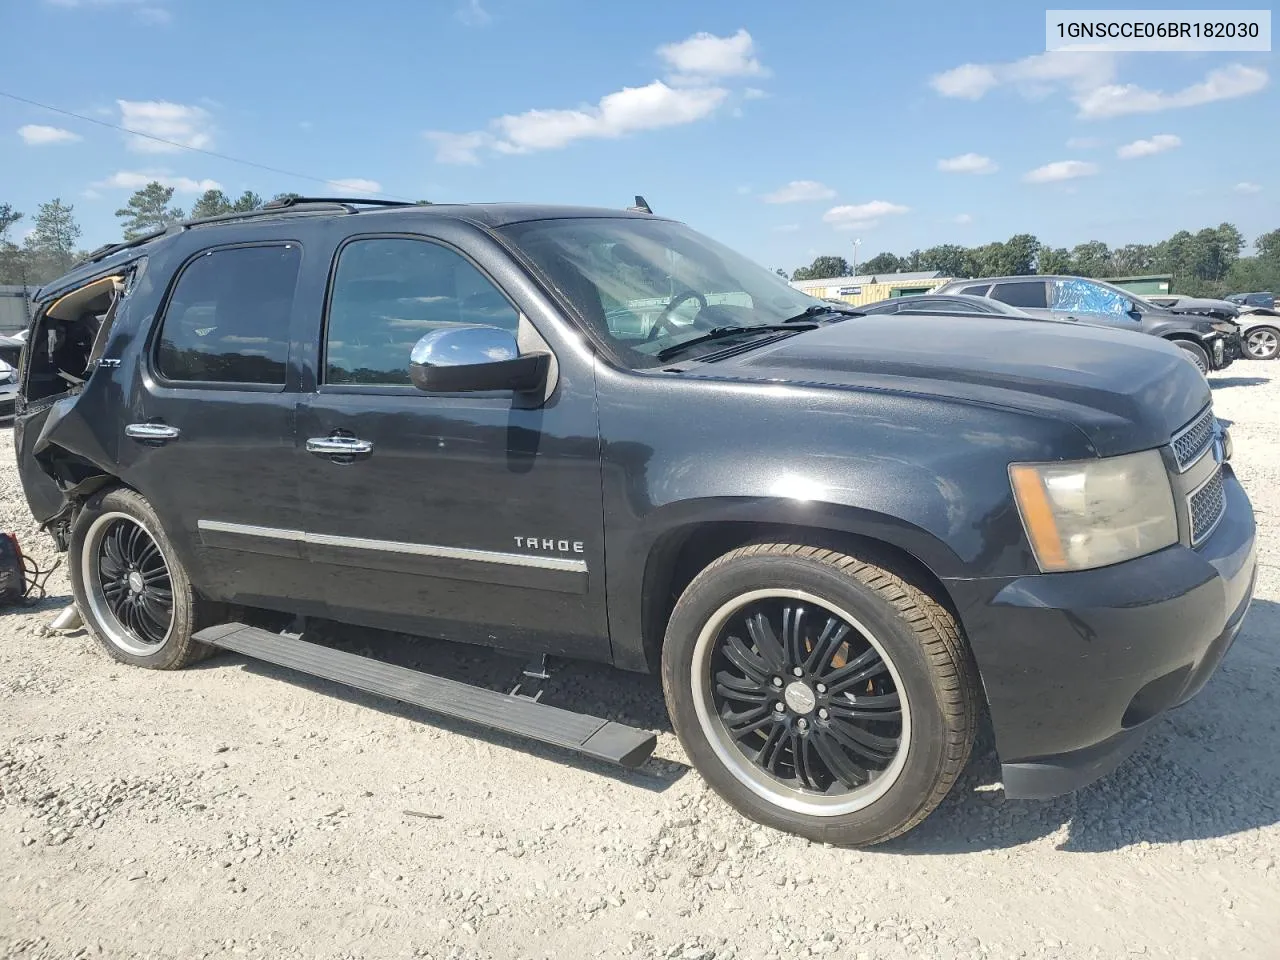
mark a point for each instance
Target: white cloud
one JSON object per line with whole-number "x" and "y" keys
{"x": 1034, "y": 76}
{"x": 963, "y": 218}
{"x": 1060, "y": 170}
{"x": 185, "y": 125}
{"x": 1115, "y": 100}
{"x": 968, "y": 163}
{"x": 753, "y": 93}
{"x": 861, "y": 215}
{"x": 357, "y": 185}
{"x": 1145, "y": 148}
{"x": 137, "y": 179}
{"x": 1083, "y": 143}
{"x": 36, "y": 135}
{"x": 1245, "y": 186}
{"x": 800, "y": 191}
{"x": 629, "y": 110}
{"x": 473, "y": 14}
{"x": 969, "y": 81}
{"x": 706, "y": 55}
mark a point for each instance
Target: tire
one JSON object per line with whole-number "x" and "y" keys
{"x": 899, "y": 641}
{"x": 1262, "y": 343}
{"x": 121, "y": 560}
{"x": 1195, "y": 353}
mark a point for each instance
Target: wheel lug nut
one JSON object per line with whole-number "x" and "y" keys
{"x": 797, "y": 671}
{"x": 777, "y": 681}
{"x": 779, "y": 706}
{"x": 802, "y": 723}
{"x": 822, "y": 714}
{"x": 821, "y": 688}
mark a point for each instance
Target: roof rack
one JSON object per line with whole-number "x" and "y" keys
{"x": 272, "y": 208}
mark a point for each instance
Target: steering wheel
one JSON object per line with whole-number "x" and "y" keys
{"x": 679, "y": 297}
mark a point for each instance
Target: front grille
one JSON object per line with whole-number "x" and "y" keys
{"x": 1194, "y": 439}
{"x": 1207, "y": 505}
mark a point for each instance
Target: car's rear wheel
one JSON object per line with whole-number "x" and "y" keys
{"x": 130, "y": 586}
{"x": 1262, "y": 343}
{"x": 818, "y": 693}
{"x": 1196, "y": 354}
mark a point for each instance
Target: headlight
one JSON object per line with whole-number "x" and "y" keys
{"x": 1090, "y": 513}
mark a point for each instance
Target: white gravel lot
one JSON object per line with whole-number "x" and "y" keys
{"x": 235, "y": 809}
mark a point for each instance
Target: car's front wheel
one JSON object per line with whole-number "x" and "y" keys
{"x": 130, "y": 587}
{"x": 1262, "y": 343}
{"x": 819, "y": 693}
{"x": 1195, "y": 353}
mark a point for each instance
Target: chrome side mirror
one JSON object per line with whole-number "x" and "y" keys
{"x": 472, "y": 358}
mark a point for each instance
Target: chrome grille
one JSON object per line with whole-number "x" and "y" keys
{"x": 1207, "y": 505}
{"x": 1193, "y": 440}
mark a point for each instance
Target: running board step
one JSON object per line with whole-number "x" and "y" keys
{"x": 601, "y": 739}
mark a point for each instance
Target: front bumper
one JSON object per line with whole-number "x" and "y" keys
{"x": 1076, "y": 665}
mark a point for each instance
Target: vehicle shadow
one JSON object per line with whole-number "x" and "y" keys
{"x": 1207, "y": 770}
{"x": 1219, "y": 382}
{"x": 594, "y": 689}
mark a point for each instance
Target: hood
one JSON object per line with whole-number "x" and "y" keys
{"x": 1125, "y": 391}
{"x": 1205, "y": 306}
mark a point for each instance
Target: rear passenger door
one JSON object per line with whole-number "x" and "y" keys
{"x": 467, "y": 516}
{"x": 1030, "y": 296}
{"x": 208, "y": 436}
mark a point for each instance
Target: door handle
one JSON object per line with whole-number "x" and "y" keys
{"x": 152, "y": 432}
{"x": 339, "y": 446}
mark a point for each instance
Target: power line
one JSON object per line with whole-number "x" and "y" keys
{"x": 184, "y": 146}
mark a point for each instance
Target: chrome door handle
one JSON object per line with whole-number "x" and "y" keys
{"x": 153, "y": 432}
{"x": 348, "y": 446}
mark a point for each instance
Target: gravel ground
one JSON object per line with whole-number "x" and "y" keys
{"x": 238, "y": 810}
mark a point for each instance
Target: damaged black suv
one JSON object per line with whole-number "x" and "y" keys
{"x": 842, "y": 541}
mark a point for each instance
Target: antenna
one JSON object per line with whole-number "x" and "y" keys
{"x": 641, "y": 206}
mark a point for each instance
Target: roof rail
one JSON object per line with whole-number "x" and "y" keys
{"x": 272, "y": 208}
{"x": 285, "y": 203}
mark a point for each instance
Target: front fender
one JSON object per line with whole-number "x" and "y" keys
{"x": 925, "y": 475}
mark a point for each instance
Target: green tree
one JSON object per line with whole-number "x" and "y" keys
{"x": 50, "y": 248}
{"x": 212, "y": 203}
{"x": 1133, "y": 259}
{"x": 148, "y": 210}
{"x": 1092, "y": 259}
{"x": 1055, "y": 260}
{"x": 883, "y": 263}
{"x": 12, "y": 265}
{"x": 1268, "y": 246}
{"x": 245, "y": 202}
{"x": 949, "y": 259}
{"x": 823, "y": 268}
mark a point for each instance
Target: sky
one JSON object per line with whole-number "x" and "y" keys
{"x": 785, "y": 131}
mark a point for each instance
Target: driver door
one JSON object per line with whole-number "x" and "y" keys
{"x": 474, "y": 517}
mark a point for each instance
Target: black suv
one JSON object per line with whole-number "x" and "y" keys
{"x": 1212, "y": 344}
{"x": 599, "y": 434}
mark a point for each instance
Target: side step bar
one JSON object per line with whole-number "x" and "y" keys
{"x": 601, "y": 739}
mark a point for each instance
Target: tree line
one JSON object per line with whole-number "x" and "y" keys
{"x": 1210, "y": 262}
{"x": 53, "y": 245}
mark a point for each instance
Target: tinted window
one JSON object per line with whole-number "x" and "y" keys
{"x": 1022, "y": 293}
{"x": 228, "y": 318}
{"x": 1081, "y": 296}
{"x": 886, "y": 307}
{"x": 388, "y": 293}
{"x": 978, "y": 290}
{"x": 941, "y": 306}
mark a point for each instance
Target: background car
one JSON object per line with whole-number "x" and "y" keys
{"x": 11, "y": 348}
{"x": 8, "y": 390}
{"x": 1204, "y": 306}
{"x": 1210, "y": 344}
{"x": 1266, "y": 299}
{"x": 957, "y": 304}
{"x": 1260, "y": 328}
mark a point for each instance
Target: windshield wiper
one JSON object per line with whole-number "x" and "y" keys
{"x": 719, "y": 333}
{"x": 821, "y": 310}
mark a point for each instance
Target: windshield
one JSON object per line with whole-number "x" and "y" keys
{"x": 646, "y": 286}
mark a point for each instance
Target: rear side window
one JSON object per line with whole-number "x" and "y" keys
{"x": 228, "y": 318}
{"x": 1023, "y": 293}
{"x": 978, "y": 290}
{"x": 389, "y": 292}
